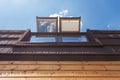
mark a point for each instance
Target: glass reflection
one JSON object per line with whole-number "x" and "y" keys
{"x": 74, "y": 39}
{"x": 42, "y": 39}
{"x": 46, "y": 26}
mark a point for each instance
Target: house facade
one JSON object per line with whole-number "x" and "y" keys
{"x": 59, "y": 53}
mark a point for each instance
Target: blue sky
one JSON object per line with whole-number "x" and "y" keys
{"x": 96, "y": 14}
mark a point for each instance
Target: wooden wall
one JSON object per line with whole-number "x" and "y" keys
{"x": 60, "y": 70}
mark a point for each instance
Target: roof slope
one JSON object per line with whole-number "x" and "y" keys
{"x": 102, "y": 45}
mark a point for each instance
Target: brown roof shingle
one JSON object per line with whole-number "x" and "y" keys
{"x": 101, "y": 45}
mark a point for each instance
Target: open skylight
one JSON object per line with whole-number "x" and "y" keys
{"x": 51, "y": 24}
{"x": 69, "y": 24}
{"x": 45, "y": 24}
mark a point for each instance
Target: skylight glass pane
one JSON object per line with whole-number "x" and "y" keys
{"x": 47, "y": 25}
{"x": 70, "y": 25}
{"x": 74, "y": 39}
{"x": 42, "y": 39}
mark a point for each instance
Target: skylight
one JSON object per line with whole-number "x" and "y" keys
{"x": 69, "y": 24}
{"x": 42, "y": 39}
{"x": 46, "y": 24}
{"x": 74, "y": 39}
{"x": 52, "y": 24}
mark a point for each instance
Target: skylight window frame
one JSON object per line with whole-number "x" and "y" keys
{"x": 69, "y": 18}
{"x": 46, "y": 18}
{"x": 58, "y": 42}
{"x": 59, "y": 36}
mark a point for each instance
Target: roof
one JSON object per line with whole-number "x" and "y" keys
{"x": 102, "y": 45}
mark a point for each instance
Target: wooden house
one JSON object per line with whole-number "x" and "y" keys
{"x": 63, "y": 55}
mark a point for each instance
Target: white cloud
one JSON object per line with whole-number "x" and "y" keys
{"x": 61, "y": 13}
{"x": 55, "y": 15}
{"x": 51, "y": 27}
{"x": 64, "y": 12}
{"x": 47, "y": 26}
{"x": 113, "y": 26}
{"x": 43, "y": 23}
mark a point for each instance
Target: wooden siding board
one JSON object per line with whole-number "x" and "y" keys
{"x": 50, "y": 70}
